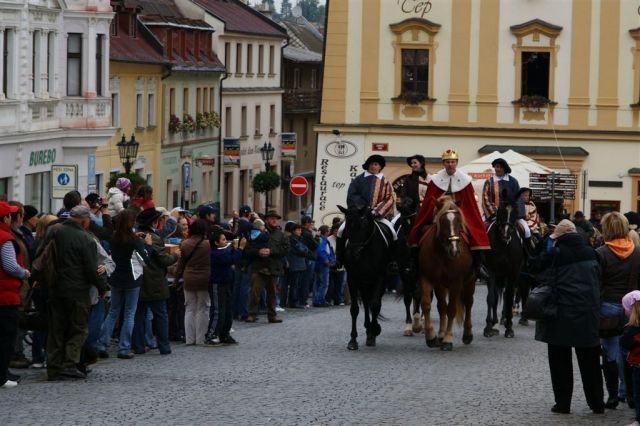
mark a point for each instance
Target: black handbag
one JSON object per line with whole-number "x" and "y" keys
{"x": 30, "y": 318}
{"x": 541, "y": 303}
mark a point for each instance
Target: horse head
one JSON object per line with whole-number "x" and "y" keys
{"x": 449, "y": 225}
{"x": 358, "y": 227}
{"x": 506, "y": 218}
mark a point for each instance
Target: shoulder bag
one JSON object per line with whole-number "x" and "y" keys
{"x": 541, "y": 303}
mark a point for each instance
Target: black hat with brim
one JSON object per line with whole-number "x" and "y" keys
{"x": 523, "y": 190}
{"x": 503, "y": 163}
{"x": 272, "y": 213}
{"x": 148, "y": 216}
{"x": 375, "y": 158}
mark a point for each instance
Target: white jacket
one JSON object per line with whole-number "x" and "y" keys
{"x": 116, "y": 198}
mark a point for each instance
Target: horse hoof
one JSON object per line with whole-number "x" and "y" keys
{"x": 508, "y": 333}
{"x": 446, "y": 346}
{"x": 353, "y": 345}
{"x": 371, "y": 341}
{"x": 416, "y": 328}
{"x": 376, "y": 329}
{"x": 523, "y": 322}
{"x": 495, "y": 332}
{"x": 467, "y": 339}
{"x": 433, "y": 343}
{"x": 408, "y": 332}
{"x": 487, "y": 332}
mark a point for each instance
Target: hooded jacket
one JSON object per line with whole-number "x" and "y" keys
{"x": 116, "y": 198}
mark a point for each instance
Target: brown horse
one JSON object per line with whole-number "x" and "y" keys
{"x": 446, "y": 269}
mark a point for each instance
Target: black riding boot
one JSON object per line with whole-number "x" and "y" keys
{"x": 610, "y": 370}
{"x": 392, "y": 267}
{"x": 628, "y": 384}
{"x": 478, "y": 265}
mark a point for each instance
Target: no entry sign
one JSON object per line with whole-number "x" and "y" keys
{"x": 298, "y": 185}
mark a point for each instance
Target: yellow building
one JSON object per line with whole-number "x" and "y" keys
{"x": 136, "y": 67}
{"x": 556, "y": 81}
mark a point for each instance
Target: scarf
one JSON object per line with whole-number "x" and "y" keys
{"x": 621, "y": 247}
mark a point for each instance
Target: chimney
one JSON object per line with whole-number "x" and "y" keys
{"x": 265, "y": 9}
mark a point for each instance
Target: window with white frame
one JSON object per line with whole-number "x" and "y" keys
{"x": 74, "y": 64}
{"x": 151, "y": 109}
{"x": 139, "y": 107}
{"x": 115, "y": 110}
{"x": 258, "y": 121}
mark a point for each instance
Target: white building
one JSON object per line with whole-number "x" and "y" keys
{"x": 250, "y": 46}
{"x": 54, "y": 102}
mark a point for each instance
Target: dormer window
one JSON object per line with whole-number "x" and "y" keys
{"x": 114, "y": 25}
{"x": 133, "y": 27}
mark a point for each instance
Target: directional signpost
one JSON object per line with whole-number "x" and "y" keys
{"x": 553, "y": 186}
{"x": 299, "y": 185}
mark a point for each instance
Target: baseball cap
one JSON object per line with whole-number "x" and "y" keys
{"x": 81, "y": 212}
{"x": 6, "y": 208}
{"x": 306, "y": 219}
{"x": 204, "y": 211}
{"x": 244, "y": 209}
{"x": 564, "y": 227}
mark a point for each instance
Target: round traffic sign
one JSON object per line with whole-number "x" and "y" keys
{"x": 298, "y": 185}
{"x": 63, "y": 179}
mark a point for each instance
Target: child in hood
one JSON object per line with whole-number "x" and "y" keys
{"x": 118, "y": 196}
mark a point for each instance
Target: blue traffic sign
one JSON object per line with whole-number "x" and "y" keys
{"x": 63, "y": 179}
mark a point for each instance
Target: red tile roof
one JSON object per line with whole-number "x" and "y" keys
{"x": 139, "y": 49}
{"x": 240, "y": 18}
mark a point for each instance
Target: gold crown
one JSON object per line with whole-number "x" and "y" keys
{"x": 450, "y": 154}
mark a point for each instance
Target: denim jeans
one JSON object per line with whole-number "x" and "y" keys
{"x": 338, "y": 281}
{"x": 160, "y": 325}
{"x": 242, "y": 288}
{"x": 213, "y": 309}
{"x": 611, "y": 345}
{"x": 96, "y": 318}
{"x": 306, "y": 282}
{"x": 322, "y": 280}
{"x": 121, "y": 299}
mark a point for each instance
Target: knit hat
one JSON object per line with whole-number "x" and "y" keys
{"x": 629, "y": 300}
{"x": 258, "y": 223}
{"x": 564, "y": 227}
{"x": 123, "y": 183}
{"x": 29, "y": 212}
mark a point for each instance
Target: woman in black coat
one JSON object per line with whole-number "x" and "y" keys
{"x": 573, "y": 268}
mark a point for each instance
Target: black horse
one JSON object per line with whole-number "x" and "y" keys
{"x": 366, "y": 257}
{"x": 408, "y": 267}
{"x": 504, "y": 263}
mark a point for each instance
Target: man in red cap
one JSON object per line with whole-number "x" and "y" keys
{"x": 449, "y": 181}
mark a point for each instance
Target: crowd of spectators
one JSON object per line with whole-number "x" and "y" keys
{"x": 120, "y": 276}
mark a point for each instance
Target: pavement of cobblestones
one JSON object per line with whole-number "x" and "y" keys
{"x": 300, "y": 373}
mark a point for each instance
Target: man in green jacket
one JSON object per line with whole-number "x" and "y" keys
{"x": 69, "y": 305}
{"x": 155, "y": 287}
{"x": 266, "y": 267}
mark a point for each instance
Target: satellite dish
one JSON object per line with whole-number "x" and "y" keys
{"x": 297, "y": 11}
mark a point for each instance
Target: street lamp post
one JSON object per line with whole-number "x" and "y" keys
{"x": 128, "y": 151}
{"x": 267, "y": 155}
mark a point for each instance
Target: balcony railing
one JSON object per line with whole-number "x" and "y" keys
{"x": 85, "y": 113}
{"x": 296, "y": 101}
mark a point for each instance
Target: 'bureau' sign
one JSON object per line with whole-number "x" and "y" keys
{"x": 417, "y": 7}
{"x": 45, "y": 156}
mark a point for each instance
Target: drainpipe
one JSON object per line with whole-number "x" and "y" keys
{"x": 287, "y": 42}
{"x": 220, "y": 144}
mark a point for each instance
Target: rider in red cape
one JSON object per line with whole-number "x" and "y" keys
{"x": 449, "y": 181}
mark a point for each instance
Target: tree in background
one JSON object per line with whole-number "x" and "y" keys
{"x": 309, "y": 9}
{"x": 322, "y": 10}
{"x": 285, "y": 9}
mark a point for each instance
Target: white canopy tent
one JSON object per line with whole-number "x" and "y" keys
{"x": 480, "y": 169}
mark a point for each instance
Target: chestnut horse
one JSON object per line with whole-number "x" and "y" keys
{"x": 446, "y": 268}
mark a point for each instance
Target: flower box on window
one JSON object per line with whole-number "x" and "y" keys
{"x": 533, "y": 102}
{"x": 413, "y": 98}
